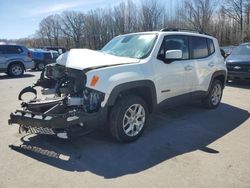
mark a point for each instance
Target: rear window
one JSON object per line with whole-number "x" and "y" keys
{"x": 210, "y": 46}
{"x": 199, "y": 47}
{"x": 13, "y": 50}
{"x": 1, "y": 49}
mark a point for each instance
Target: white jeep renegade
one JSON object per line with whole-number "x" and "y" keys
{"x": 123, "y": 83}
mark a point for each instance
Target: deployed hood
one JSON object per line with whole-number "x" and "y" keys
{"x": 84, "y": 58}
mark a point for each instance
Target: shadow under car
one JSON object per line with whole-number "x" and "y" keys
{"x": 5, "y": 76}
{"x": 170, "y": 132}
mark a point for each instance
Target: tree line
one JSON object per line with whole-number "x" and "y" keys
{"x": 227, "y": 20}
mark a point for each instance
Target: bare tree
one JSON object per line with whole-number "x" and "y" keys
{"x": 119, "y": 18}
{"x": 152, "y": 12}
{"x": 247, "y": 20}
{"x": 198, "y": 14}
{"x": 235, "y": 9}
{"x": 45, "y": 29}
{"x": 93, "y": 27}
{"x": 72, "y": 25}
{"x": 131, "y": 17}
{"x": 230, "y": 22}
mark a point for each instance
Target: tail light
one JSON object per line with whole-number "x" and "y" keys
{"x": 29, "y": 55}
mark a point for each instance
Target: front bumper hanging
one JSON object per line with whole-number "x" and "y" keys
{"x": 73, "y": 123}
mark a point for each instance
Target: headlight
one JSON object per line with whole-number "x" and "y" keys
{"x": 92, "y": 100}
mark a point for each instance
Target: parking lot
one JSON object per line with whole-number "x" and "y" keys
{"x": 185, "y": 146}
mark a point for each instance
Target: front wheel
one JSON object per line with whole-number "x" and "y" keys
{"x": 214, "y": 96}
{"x": 128, "y": 118}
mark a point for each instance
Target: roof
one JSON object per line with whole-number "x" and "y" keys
{"x": 190, "y": 33}
{"x": 10, "y": 44}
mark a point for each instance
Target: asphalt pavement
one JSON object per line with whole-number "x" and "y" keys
{"x": 184, "y": 146}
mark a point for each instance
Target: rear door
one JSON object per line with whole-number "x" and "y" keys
{"x": 202, "y": 52}
{"x": 3, "y": 58}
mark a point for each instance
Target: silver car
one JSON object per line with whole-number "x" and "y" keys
{"x": 15, "y": 59}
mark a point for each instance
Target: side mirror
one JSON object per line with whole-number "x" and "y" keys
{"x": 172, "y": 55}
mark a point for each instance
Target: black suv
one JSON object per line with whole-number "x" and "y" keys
{"x": 238, "y": 63}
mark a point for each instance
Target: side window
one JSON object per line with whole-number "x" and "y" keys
{"x": 1, "y": 49}
{"x": 210, "y": 46}
{"x": 13, "y": 50}
{"x": 175, "y": 42}
{"x": 199, "y": 47}
{"x": 19, "y": 49}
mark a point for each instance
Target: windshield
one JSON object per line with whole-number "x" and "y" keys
{"x": 242, "y": 50}
{"x": 136, "y": 46}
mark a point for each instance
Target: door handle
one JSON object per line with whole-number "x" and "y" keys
{"x": 188, "y": 68}
{"x": 211, "y": 64}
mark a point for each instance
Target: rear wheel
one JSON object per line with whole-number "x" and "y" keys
{"x": 128, "y": 118}
{"x": 214, "y": 96}
{"x": 16, "y": 69}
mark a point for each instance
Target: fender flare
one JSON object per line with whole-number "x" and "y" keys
{"x": 10, "y": 62}
{"x": 132, "y": 85}
{"x": 216, "y": 74}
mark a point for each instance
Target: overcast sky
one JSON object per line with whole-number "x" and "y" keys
{"x": 20, "y": 18}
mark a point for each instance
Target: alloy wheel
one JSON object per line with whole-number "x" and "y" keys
{"x": 216, "y": 94}
{"x": 134, "y": 120}
{"x": 16, "y": 70}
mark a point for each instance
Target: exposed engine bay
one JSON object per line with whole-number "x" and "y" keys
{"x": 69, "y": 102}
{"x": 65, "y": 104}
{"x": 68, "y": 87}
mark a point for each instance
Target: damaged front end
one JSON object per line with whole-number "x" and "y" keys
{"x": 71, "y": 109}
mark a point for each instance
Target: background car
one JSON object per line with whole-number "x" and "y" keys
{"x": 228, "y": 50}
{"x": 238, "y": 63}
{"x": 15, "y": 59}
{"x": 223, "y": 53}
{"x": 59, "y": 49}
{"x": 43, "y": 57}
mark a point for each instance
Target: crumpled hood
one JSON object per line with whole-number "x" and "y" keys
{"x": 84, "y": 58}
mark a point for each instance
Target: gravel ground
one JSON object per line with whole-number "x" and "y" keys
{"x": 186, "y": 146}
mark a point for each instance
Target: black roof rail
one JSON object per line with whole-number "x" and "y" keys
{"x": 182, "y": 29}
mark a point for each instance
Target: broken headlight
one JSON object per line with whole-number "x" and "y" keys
{"x": 92, "y": 100}
{"x": 54, "y": 71}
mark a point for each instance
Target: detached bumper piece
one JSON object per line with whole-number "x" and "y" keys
{"x": 73, "y": 123}
{"x": 39, "y": 130}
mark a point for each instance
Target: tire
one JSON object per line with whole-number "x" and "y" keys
{"x": 40, "y": 66}
{"x": 124, "y": 126}
{"x": 214, "y": 96}
{"x": 16, "y": 70}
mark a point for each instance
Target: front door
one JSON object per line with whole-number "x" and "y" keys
{"x": 174, "y": 78}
